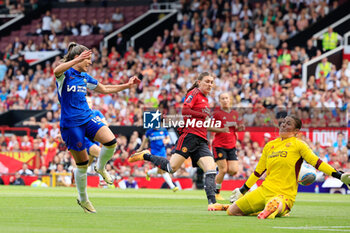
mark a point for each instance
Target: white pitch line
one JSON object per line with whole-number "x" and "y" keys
{"x": 105, "y": 195}
{"x": 318, "y": 228}
{"x": 332, "y": 201}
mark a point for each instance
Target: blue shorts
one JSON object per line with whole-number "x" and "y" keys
{"x": 161, "y": 153}
{"x": 89, "y": 143}
{"x": 75, "y": 137}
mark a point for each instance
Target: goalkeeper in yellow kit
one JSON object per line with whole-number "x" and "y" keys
{"x": 281, "y": 159}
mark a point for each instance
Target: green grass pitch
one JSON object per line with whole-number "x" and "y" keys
{"x": 26, "y": 209}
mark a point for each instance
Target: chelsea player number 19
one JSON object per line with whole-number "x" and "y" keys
{"x": 77, "y": 121}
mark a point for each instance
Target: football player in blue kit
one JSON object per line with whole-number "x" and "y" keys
{"x": 77, "y": 121}
{"x": 158, "y": 138}
{"x": 93, "y": 148}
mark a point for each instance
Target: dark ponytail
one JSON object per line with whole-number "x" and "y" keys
{"x": 74, "y": 49}
{"x": 200, "y": 77}
{"x": 298, "y": 122}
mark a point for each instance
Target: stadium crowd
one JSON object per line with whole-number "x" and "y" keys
{"x": 14, "y": 7}
{"x": 242, "y": 44}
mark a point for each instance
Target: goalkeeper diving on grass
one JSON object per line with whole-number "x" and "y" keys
{"x": 281, "y": 159}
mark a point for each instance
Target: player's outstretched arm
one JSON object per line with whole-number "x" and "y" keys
{"x": 324, "y": 167}
{"x": 109, "y": 89}
{"x": 61, "y": 68}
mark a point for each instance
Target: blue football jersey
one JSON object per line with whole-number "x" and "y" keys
{"x": 71, "y": 90}
{"x": 96, "y": 113}
{"x": 155, "y": 137}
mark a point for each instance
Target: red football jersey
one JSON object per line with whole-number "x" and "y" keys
{"x": 195, "y": 101}
{"x": 225, "y": 140}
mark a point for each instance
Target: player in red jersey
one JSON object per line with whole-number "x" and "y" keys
{"x": 193, "y": 139}
{"x": 224, "y": 143}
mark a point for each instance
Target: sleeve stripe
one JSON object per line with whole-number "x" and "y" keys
{"x": 195, "y": 92}
{"x": 319, "y": 161}
{"x": 297, "y": 167}
{"x": 259, "y": 175}
{"x": 91, "y": 86}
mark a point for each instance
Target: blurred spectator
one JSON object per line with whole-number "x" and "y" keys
{"x": 25, "y": 170}
{"x": 85, "y": 28}
{"x": 266, "y": 90}
{"x": 67, "y": 29}
{"x": 46, "y": 23}
{"x": 121, "y": 165}
{"x": 3, "y": 144}
{"x": 55, "y": 131}
{"x": 13, "y": 144}
{"x": 106, "y": 27}
{"x": 16, "y": 180}
{"x": 120, "y": 44}
{"x": 63, "y": 179}
{"x": 340, "y": 143}
{"x": 67, "y": 161}
{"x": 158, "y": 44}
{"x": 75, "y": 29}
{"x": 53, "y": 164}
{"x": 30, "y": 46}
{"x": 95, "y": 28}
{"x": 31, "y": 121}
{"x": 38, "y": 30}
{"x": 1, "y": 180}
{"x": 26, "y": 144}
{"x": 330, "y": 40}
{"x": 323, "y": 69}
{"x": 42, "y": 131}
{"x": 267, "y": 138}
{"x": 3, "y": 70}
{"x": 43, "y": 170}
{"x": 17, "y": 44}
{"x": 56, "y": 25}
{"x": 117, "y": 16}
{"x": 50, "y": 144}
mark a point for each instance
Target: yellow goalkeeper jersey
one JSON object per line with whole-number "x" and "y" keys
{"x": 281, "y": 160}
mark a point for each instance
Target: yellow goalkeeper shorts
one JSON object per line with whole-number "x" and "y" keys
{"x": 255, "y": 201}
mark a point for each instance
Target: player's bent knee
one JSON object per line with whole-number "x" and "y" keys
{"x": 234, "y": 210}
{"x": 173, "y": 169}
{"x": 111, "y": 144}
{"x": 223, "y": 170}
{"x": 232, "y": 172}
{"x": 83, "y": 164}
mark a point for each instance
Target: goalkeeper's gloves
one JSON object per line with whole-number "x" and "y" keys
{"x": 236, "y": 194}
{"x": 345, "y": 178}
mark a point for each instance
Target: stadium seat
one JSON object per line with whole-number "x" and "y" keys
{"x": 56, "y": 10}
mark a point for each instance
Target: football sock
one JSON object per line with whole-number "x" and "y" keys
{"x": 168, "y": 180}
{"x": 80, "y": 175}
{"x": 209, "y": 186}
{"x": 218, "y": 187}
{"x": 160, "y": 162}
{"x": 105, "y": 155}
{"x": 153, "y": 171}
